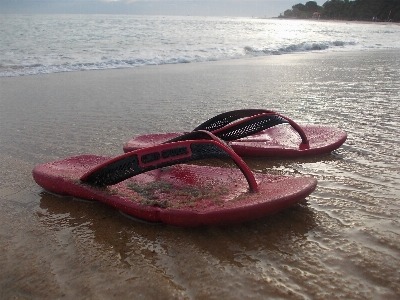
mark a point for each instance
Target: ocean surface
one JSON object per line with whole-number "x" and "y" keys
{"x": 341, "y": 242}
{"x": 37, "y": 44}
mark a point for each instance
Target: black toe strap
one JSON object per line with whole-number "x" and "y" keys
{"x": 238, "y": 124}
{"x": 192, "y": 146}
{"x": 228, "y": 117}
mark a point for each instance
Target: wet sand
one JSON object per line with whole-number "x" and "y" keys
{"x": 342, "y": 242}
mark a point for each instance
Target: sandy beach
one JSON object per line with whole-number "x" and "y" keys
{"x": 342, "y": 242}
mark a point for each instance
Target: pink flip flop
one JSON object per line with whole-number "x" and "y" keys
{"x": 155, "y": 185}
{"x": 254, "y": 132}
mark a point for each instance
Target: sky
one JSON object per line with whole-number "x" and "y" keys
{"x": 239, "y": 8}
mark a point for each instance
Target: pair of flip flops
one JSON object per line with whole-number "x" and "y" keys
{"x": 153, "y": 182}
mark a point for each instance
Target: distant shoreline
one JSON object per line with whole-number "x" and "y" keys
{"x": 340, "y": 21}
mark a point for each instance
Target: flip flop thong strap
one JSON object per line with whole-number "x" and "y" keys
{"x": 249, "y": 126}
{"x": 228, "y": 117}
{"x": 192, "y": 146}
{"x": 238, "y": 124}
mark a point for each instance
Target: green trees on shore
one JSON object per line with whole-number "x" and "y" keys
{"x": 362, "y": 10}
{"x": 302, "y": 11}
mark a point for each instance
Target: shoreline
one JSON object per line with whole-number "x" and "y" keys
{"x": 223, "y": 62}
{"x": 340, "y": 21}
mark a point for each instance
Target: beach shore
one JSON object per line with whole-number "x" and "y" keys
{"x": 344, "y": 21}
{"x": 342, "y": 242}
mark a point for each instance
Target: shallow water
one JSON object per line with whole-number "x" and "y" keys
{"x": 341, "y": 242}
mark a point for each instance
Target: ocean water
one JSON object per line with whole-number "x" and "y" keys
{"x": 341, "y": 242}
{"x": 37, "y": 44}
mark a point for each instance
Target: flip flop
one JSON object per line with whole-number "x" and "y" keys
{"x": 155, "y": 185}
{"x": 254, "y": 132}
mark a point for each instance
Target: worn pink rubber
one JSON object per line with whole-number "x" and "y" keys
{"x": 259, "y": 135}
{"x": 152, "y": 184}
